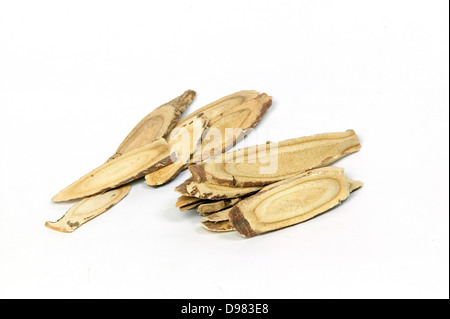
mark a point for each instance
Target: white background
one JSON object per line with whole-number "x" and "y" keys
{"x": 76, "y": 76}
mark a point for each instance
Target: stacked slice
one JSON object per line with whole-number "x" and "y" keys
{"x": 270, "y": 186}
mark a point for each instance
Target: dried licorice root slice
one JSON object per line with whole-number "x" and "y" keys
{"x": 252, "y": 166}
{"x": 118, "y": 171}
{"x": 222, "y": 226}
{"x": 87, "y": 209}
{"x": 217, "y": 205}
{"x": 213, "y": 191}
{"x": 157, "y": 124}
{"x": 184, "y": 141}
{"x": 292, "y": 201}
{"x": 219, "y": 216}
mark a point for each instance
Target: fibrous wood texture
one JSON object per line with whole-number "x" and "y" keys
{"x": 118, "y": 171}
{"x": 218, "y": 216}
{"x": 217, "y": 205}
{"x": 291, "y": 201}
{"x": 213, "y": 191}
{"x": 248, "y": 167}
{"x": 157, "y": 124}
{"x": 184, "y": 141}
{"x": 231, "y": 125}
{"x": 222, "y": 226}
{"x": 87, "y": 209}
{"x": 184, "y": 200}
{"x": 229, "y": 119}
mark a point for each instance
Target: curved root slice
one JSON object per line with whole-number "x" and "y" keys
{"x": 156, "y": 124}
{"x": 272, "y": 162}
{"x": 217, "y": 205}
{"x": 291, "y": 201}
{"x": 184, "y": 141}
{"x": 87, "y": 209}
{"x": 213, "y": 191}
{"x": 184, "y": 200}
{"x": 223, "y": 226}
{"x": 118, "y": 171}
{"x": 219, "y": 216}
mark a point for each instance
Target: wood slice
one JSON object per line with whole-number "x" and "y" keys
{"x": 157, "y": 124}
{"x": 87, "y": 209}
{"x": 252, "y": 166}
{"x": 118, "y": 171}
{"x": 223, "y": 226}
{"x": 291, "y": 201}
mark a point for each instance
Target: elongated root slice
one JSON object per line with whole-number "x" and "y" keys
{"x": 190, "y": 206}
{"x": 231, "y": 126}
{"x": 291, "y": 201}
{"x": 229, "y": 119}
{"x": 157, "y": 124}
{"x": 272, "y": 162}
{"x": 222, "y": 226}
{"x": 219, "y": 216}
{"x": 216, "y": 206}
{"x": 184, "y": 200}
{"x": 184, "y": 141}
{"x": 213, "y": 191}
{"x": 87, "y": 209}
{"x": 118, "y": 171}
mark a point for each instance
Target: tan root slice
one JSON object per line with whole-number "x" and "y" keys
{"x": 230, "y": 126}
{"x": 216, "y": 108}
{"x": 216, "y": 205}
{"x": 184, "y": 200}
{"x": 191, "y": 206}
{"x": 269, "y": 163}
{"x": 87, "y": 209}
{"x": 228, "y": 119}
{"x": 118, "y": 171}
{"x": 157, "y": 124}
{"x": 218, "y": 216}
{"x": 184, "y": 141}
{"x": 223, "y": 226}
{"x": 214, "y": 192}
{"x": 291, "y": 201}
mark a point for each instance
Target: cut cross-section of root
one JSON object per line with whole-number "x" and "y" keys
{"x": 118, "y": 171}
{"x": 292, "y": 201}
{"x": 272, "y": 162}
{"x": 87, "y": 209}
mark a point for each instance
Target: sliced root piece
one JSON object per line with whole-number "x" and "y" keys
{"x": 218, "y": 216}
{"x": 157, "y": 124}
{"x": 184, "y": 141}
{"x": 216, "y": 108}
{"x": 272, "y": 162}
{"x": 291, "y": 201}
{"x": 118, "y": 171}
{"x": 191, "y": 206}
{"x": 223, "y": 226}
{"x": 216, "y": 206}
{"x": 229, "y": 119}
{"x": 184, "y": 200}
{"x": 87, "y": 209}
{"x": 230, "y": 126}
{"x": 182, "y": 188}
{"x": 214, "y": 192}
{"x": 165, "y": 174}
